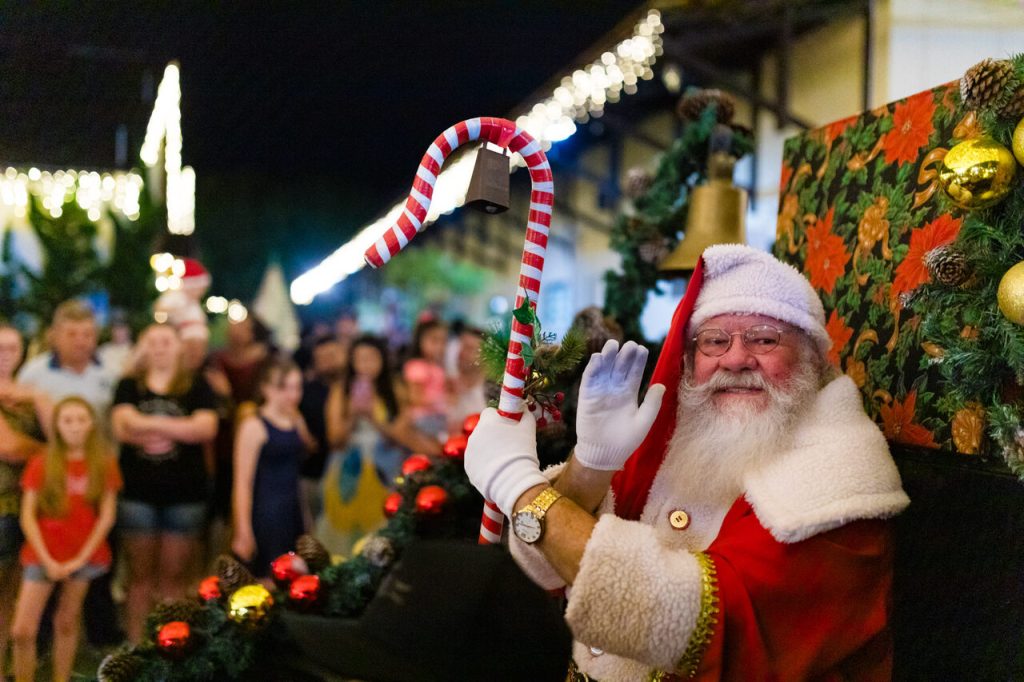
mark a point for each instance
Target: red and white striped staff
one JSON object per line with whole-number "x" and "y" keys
{"x": 506, "y": 135}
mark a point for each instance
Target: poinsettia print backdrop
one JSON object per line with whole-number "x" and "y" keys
{"x": 859, "y": 208}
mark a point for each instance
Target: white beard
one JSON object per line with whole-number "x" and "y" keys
{"x": 716, "y": 446}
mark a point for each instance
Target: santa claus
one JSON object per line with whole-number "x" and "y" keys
{"x": 736, "y": 529}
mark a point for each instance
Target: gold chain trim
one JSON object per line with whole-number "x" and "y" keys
{"x": 706, "y": 620}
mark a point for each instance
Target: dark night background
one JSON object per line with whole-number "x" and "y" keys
{"x": 303, "y": 120}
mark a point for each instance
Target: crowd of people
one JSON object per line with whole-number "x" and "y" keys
{"x": 126, "y": 468}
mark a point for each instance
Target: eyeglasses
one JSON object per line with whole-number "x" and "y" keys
{"x": 759, "y": 339}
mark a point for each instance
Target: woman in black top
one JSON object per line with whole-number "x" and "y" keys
{"x": 162, "y": 415}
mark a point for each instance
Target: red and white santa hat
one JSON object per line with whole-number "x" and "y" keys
{"x": 741, "y": 280}
{"x": 196, "y": 277}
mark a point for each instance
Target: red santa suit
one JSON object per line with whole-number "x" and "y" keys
{"x": 791, "y": 581}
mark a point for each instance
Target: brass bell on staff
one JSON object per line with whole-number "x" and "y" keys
{"x": 716, "y": 215}
{"x": 488, "y": 188}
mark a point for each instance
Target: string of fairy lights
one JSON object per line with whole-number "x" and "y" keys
{"x": 578, "y": 97}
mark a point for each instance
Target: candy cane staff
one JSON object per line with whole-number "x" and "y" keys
{"x": 506, "y": 135}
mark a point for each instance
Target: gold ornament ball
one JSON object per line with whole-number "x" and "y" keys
{"x": 977, "y": 173}
{"x": 249, "y": 606}
{"x": 1018, "y": 142}
{"x": 1011, "y": 294}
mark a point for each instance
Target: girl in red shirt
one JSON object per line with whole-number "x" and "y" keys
{"x": 67, "y": 510}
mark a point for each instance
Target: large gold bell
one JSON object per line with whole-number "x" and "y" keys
{"x": 488, "y": 188}
{"x": 716, "y": 215}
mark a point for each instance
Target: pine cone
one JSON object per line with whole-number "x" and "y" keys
{"x": 983, "y": 84}
{"x": 119, "y": 666}
{"x": 653, "y": 251}
{"x": 948, "y": 265}
{"x": 693, "y": 104}
{"x": 316, "y": 555}
{"x": 638, "y": 182}
{"x": 176, "y": 609}
{"x": 1014, "y": 107}
{"x": 379, "y": 551}
{"x": 232, "y": 574}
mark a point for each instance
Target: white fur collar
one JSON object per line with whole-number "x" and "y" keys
{"x": 838, "y": 470}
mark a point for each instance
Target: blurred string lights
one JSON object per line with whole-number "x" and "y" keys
{"x": 578, "y": 97}
{"x": 170, "y": 270}
{"x": 165, "y": 127}
{"x": 95, "y": 193}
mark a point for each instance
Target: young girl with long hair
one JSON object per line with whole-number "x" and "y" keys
{"x": 68, "y": 507}
{"x": 162, "y": 416}
{"x": 269, "y": 448}
{"x": 369, "y": 434}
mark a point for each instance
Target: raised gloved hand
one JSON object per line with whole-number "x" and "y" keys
{"x": 501, "y": 458}
{"x": 609, "y": 425}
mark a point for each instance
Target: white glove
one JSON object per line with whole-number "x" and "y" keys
{"x": 501, "y": 458}
{"x": 609, "y": 425}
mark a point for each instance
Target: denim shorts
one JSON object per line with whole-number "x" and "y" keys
{"x": 36, "y": 573}
{"x": 10, "y": 539}
{"x": 141, "y": 517}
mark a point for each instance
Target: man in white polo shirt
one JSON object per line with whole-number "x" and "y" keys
{"x": 72, "y": 367}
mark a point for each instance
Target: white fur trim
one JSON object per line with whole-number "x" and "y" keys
{"x": 633, "y": 597}
{"x": 839, "y": 470}
{"x": 745, "y": 281}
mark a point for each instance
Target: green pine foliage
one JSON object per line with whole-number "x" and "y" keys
{"x": 660, "y": 214}
{"x": 987, "y": 369}
{"x": 549, "y": 363}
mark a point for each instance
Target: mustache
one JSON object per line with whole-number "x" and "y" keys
{"x": 723, "y": 380}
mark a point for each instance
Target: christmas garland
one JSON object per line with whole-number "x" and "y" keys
{"x": 649, "y": 229}
{"x": 972, "y": 310}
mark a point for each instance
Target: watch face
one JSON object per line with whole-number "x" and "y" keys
{"x": 526, "y": 526}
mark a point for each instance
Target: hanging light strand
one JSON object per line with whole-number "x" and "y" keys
{"x": 578, "y": 97}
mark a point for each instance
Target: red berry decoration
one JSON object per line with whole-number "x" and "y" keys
{"x": 556, "y": 414}
{"x": 209, "y": 588}
{"x": 431, "y": 500}
{"x": 287, "y": 568}
{"x": 469, "y": 423}
{"x": 415, "y": 463}
{"x": 559, "y": 397}
{"x": 455, "y": 447}
{"x": 174, "y": 639}
{"x": 392, "y": 504}
{"x": 304, "y": 593}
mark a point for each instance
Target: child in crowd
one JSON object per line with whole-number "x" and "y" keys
{"x": 68, "y": 507}
{"x": 424, "y": 378}
{"x": 163, "y": 414}
{"x": 269, "y": 449}
{"x": 369, "y": 436}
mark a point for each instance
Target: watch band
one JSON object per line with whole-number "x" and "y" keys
{"x": 540, "y": 504}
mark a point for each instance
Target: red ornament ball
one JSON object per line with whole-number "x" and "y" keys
{"x": 174, "y": 639}
{"x": 287, "y": 568}
{"x": 392, "y": 503}
{"x": 209, "y": 588}
{"x": 469, "y": 423}
{"x": 304, "y": 593}
{"x": 431, "y": 500}
{"x": 455, "y": 447}
{"x": 559, "y": 397}
{"x": 415, "y": 463}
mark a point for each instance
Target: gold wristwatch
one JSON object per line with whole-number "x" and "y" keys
{"x": 528, "y": 522}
